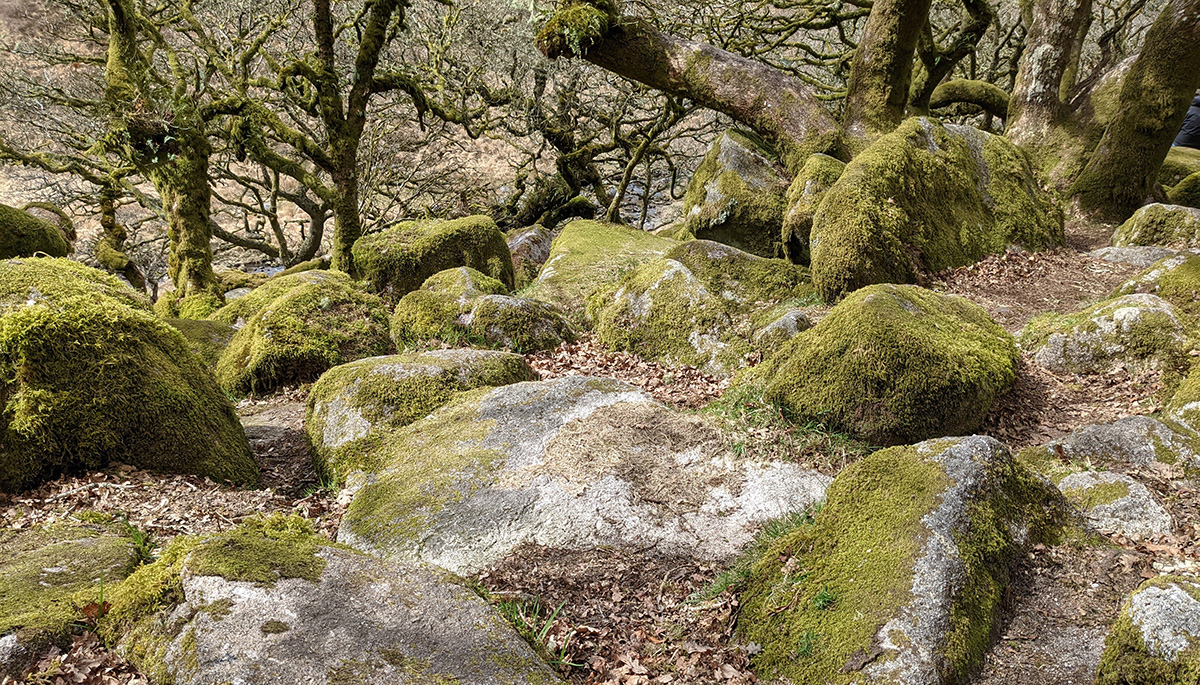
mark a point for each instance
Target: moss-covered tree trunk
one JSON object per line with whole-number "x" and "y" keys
{"x": 110, "y": 250}
{"x": 1121, "y": 174}
{"x": 1035, "y": 108}
{"x": 186, "y": 191}
{"x": 881, "y": 72}
{"x": 772, "y": 103}
{"x": 937, "y": 62}
{"x": 347, "y": 222}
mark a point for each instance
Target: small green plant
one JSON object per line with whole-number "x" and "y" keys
{"x": 735, "y": 577}
{"x": 825, "y": 598}
{"x": 143, "y": 544}
{"x": 807, "y": 643}
{"x": 527, "y": 617}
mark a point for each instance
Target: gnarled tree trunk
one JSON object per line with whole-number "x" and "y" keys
{"x": 881, "y": 73}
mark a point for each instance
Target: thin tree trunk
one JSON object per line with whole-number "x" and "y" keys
{"x": 881, "y": 73}
{"x": 1035, "y": 109}
{"x": 184, "y": 186}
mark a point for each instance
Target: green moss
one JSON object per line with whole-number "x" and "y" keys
{"x": 804, "y": 195}
{"x": 426, "y": 465}
{"x": 1044, "y": 461}
{"x": 206, "y": 339}
{"x": 92, "y": 380}
{"x": 590, "y": 255}
{"x": 318, "y": 264}
{"x": 232, "y": 279}
{"x": 988, "y": 97}
{"x": 923, "y": 199}
{"x": 294, "y": 328}
{"x": 1185, "y": 403}
{"x": 862, "y": 550}
{"x": 575, "y": 26}
{"x": 892, "y": 364}
{"x": 736, "y": 196}
{"x": 1180, "y": 163}
{"x": 1095, "y": 339}
{"x": 1127, "y": 660}
{"x": 1186, "y": 192}
{"x": 58, "y": 280}
{"x": 262, "y": 551}
{"x": 1158, "y": 224}
{"x": 388, "y": 393}
{"x": 1096, "y": 495}
{"x": 1174, "y": 279}
{"x": 24, "y": 235}
{"x": 48, "y": 573}
{"x": 398, "y": 260}
{"x": 274, "y": 627}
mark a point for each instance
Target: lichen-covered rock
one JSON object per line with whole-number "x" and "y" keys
{"x": 1116, "y": 502}
{"x": 572, "y": 463}
{"x": 47, "y": 573}
{"x": 1159, "y": 224}
{"x": 354, "y": 406}
{"x": 772, "y": 336}
{"x": 1140, "y": 255}
{"x": 1130, "y": 329}
{"x": 590, "y": 255}
{"x": 1186, "y": 192}
{"x": 1180, "y": 163}
{"x": 695, "y": 305}
{"x": 530, "y": 248}
{"x": 92, "y": 377}
{"x": 24, "y": 235}
{"x": 901, "y": 577}
{"x": 398, "y": 260}
{"x": 808, "y": 188}
{"x": 1184, "y": 406}
{"x": 1154, "y": 639}
{"x": 893, "y": 364}
{"x": 924, "y": 198}
{"x": 1175, "y": 279}
{"x": 1131, "y": 441}
{"x": 463, "y": 304}
{"x": 291, "y": 329}
{"x": 737, "y": 196}
{"x": 271, "y": 601}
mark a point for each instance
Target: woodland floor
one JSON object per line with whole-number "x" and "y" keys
{"x": 621, "y": 617}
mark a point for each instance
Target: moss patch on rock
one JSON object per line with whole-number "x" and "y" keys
{"x": 590, "y": 255}
{"x": 231, "y": 279}
{"x": 892, "y": 364}
{"x": 1156, "y": 637}
{"x": 804, "y": 195}
{"x": 1180, "y": 163}
{"x": 860, "y": 595}
{"x": 1175, "y": 279}
{"x": 353, "y": 407}
{"x": 398, "y": 260}
{"x": 698, "y": 305}
{"x": 207, "y": 339}
{"x": 1186, "y": 192}
{"x": 91, "y": 379}
{"x": 925, "y": 198}
{"x": 24, "y": 235}
{"x": 1159, "y": 224}
{"x": 292, "y": 329}
{"x": 737, "y": 196}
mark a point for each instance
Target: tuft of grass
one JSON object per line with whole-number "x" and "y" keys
{"x": 533, "y": 623}
{"x": 825, "y": 598}
{"x": 734, "y": 578}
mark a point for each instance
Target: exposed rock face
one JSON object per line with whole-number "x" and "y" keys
{"x": 1154, "y": 638}
{"x": 1131, "y": 329}
{"x": 698, "y": 305}
{"x": 1158, "y": 224}
{"x": 1176, "y": 279}
{"x": 590, "y": 255}
{"x": 893, "y": 364}
{"x": 271, "y": 602}
{"x": 530, "y": 248}
{"x": 462, "y": 304}
{"x": 398, "y": 260}
{"x": 925, "y": 198}
{"x": 1116, "y": 502}
{"x": 293, "y": 328}
{"x": 1132, "y": 441}
{"x": 901, "y": 576}
{"x": 573, "y": 463}
{"x": 1142, "y": 256}
{"x": 45, "y": 573}
{"x": 737, "y": 197}
{"x": 354, "y": 406}
{"x": 90, "y": 375}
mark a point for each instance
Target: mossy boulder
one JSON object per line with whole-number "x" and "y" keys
{"x": 568, "y": 463}
{"x": 1134, "y": 441}
{"x": 1131, "y": 329}
{"x": 354, "y": 406}
{"x": 902, "y": 575}
{"x": 737, "y": 196}
{"x": 925, "y": 198}
{"x": 1180, "y": 163}
{"x": 207, "y": 339}
{"x": 590, "y": 255}
{"x": 697, "y": 305}
{"x": 462, "y": 304}
{"x": 1159, "y": 224}
{"x": 1154, "y": 639}
{"x": 771, "y": 337}
{"x": 1186, "y": 192}
{"x": 233, "y": 279}
{"x": 530, "y": 248}
{"x": 804, "y": 195}
{"x": 398, "y": 260}
{"x": 292, "y": 329}
{"x": 1175, "y": 279}
{"x": 1184, "y": 406}
{"x": 272, "y": 601}
{"x": 47, "y": 573}
{"x": 92, "y": 377}
{"x": 1116, "y": 502}
{"x": 24, "y": 235}
{"x": 893, "y": 364}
